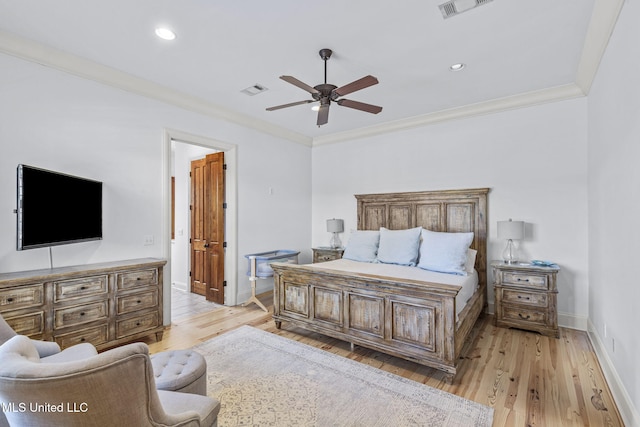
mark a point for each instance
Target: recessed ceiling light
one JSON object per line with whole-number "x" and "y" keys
{"x": 165, "y": 33}
{"x": 457, "y": 67}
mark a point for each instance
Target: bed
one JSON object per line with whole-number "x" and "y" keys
{"x": 405, "y": 311}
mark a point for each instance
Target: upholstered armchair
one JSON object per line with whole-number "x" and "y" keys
{"x": 115, "y": 387}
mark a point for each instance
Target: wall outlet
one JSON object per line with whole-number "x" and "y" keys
{"x": 148, "y": 240}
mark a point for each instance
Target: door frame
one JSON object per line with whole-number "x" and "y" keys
{"x": 231, "y": 213}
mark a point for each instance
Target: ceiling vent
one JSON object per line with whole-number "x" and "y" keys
{"x": 456, "y": 7}
{"x": 254, "y": 90}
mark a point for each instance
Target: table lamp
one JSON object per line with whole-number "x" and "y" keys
{"x": 510, "y": 230}
{"x": 335, "y": 226}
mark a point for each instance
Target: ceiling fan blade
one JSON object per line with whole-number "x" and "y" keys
{"x": 356, "y": 85}
{"x": 277, "y": 107}
{"x": 301, "y": 85}
{"x": 323, "y": 115}
{"x": 374, "y": 109}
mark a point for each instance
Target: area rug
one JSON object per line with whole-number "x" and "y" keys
{"x": 262, "y": 379}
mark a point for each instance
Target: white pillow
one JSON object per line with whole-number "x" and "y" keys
{"x": 399, "y": 246}
{"x": 444, "y": 252}
{"x": 470, "y": 264}
{"x": 362, "y": 245}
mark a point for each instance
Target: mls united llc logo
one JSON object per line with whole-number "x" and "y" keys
{"x": 68, "y": 407}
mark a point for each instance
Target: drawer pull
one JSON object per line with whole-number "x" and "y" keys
{"x": 83, "y": 339}
{"x": 521, "y": 297}
{"x": 137, "y": 323}
{"x": 9, "y": 299}
{"x": 82, "y": 313}
{"x": 82, "y": 288}
{"x": 137, "y": 278}
{"x": 139, "y": 302}
{"x": 522, "y": 280}
{"x": 523, "y": 317}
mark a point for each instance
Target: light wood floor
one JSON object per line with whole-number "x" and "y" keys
{"x": 529, "y": 379}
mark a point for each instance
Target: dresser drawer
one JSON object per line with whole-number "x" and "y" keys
{"x": 80, "y": 314}
{"x": 27, "y": 324}
{"x": 525, "y": 279}
{"x": 83, "y": 287}
{"x": 523, "y": 315}
{"x": 22, "y": 297}
{"x": 134, "y": 279}
{"x": 537, "y": 299}
{"x": 133, "y": 302}
{"x": 136, "y": 324}
{"x": 96, "y": 336}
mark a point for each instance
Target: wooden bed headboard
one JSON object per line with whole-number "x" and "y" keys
{"x": 446, "y": 210}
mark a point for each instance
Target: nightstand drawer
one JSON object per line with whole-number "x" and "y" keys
{"x": 29, "y": 324}
{"x": 138, "y": 301}
{"x": 135, "y": 279}
{"x": 525, "y": 279}
{"x": 523, "y": 316}
{"x": 95, "y": 336}
{"x": 21, "y": 297}
{"x": 511, "y": 296}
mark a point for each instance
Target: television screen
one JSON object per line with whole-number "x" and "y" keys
{"x": 56, "y": 209}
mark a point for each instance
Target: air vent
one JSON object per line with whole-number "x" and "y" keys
{"x": 254, "y": 90}
{"x": 456, "y": 7}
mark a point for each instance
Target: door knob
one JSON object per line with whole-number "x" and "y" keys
{"x": 206, "y": 245}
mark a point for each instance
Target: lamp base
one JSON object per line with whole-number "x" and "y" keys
{"x": 335, "y": 241}
{"x": 510, "y": 253}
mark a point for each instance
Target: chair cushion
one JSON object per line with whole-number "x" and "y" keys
{"x": 180, "y": 370}
{"x": 74, "y": 353}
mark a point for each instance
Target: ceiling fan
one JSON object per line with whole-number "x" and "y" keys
{"x": 325, "y": 93}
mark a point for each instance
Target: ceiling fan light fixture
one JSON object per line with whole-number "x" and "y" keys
{"x": 457, "y": 67}
{"x": 316, "y": 108}
{"x": 165, "y": 33}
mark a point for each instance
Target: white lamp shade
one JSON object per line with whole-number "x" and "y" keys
{"x": 511, "y": 230}
{"x": 335, "y": 225}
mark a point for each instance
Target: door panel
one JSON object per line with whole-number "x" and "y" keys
{"x": 207, "y": 227}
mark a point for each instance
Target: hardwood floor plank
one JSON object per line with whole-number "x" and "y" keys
{"x": 529, "y": 379}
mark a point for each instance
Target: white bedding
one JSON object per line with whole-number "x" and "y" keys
{"x": 468, "y": 283}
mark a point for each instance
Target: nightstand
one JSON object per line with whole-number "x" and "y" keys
{"x": 526, "y": 297}
{"x": 325, "y": 253}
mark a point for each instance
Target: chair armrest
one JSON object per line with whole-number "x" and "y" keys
{"x": 46, "y": 348}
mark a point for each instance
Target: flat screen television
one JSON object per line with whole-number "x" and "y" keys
{"x": 56, "y": 208}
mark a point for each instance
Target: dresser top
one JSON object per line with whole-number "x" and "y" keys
{"x": 49, "y": 274}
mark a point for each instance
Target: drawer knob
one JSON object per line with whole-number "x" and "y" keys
{"x": 138, "y": 324}
{"x": 139, "y": 302}
{"x": 523, "y": 317}
{"x": 82, "y": 288}
{"x": 9, "y": 299}
{"x": 83, "y": 339}
{"x": 82, "y": 313}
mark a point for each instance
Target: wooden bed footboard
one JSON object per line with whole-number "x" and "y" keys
{"x": 408, "y": 319}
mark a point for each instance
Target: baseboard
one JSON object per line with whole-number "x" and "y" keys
{"x": 179, "y": 285}
{"x": 572, "y": 321}
{"x": 628, "y": 411}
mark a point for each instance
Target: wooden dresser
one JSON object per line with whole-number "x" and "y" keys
{"x": 526, "y": 297}
{"x": 105, "y": 304}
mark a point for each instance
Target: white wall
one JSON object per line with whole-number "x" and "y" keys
{"x": 58, "y": 121}
{"x": 614, "y": 210}
{"x": 533, "y": 159}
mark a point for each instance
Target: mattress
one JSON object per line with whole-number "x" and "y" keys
{"x": 468, "y": 284}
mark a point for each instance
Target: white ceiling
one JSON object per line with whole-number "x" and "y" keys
{"x": 517, "y": 53}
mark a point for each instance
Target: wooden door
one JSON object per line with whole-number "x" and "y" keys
{"x": 207, "y": 227}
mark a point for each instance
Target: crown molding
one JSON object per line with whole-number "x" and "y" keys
{"x": 527, "y": 99}
{"x": 87, "y": 69}
{"x": 603, "y": 21}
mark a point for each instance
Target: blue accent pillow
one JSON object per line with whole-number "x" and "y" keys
{"x": 399, "y": 246}
{"x": 362, "y": 245}
{"x": 444, "y": 252}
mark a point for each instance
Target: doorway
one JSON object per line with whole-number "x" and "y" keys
{"x": 178, "y": 267}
